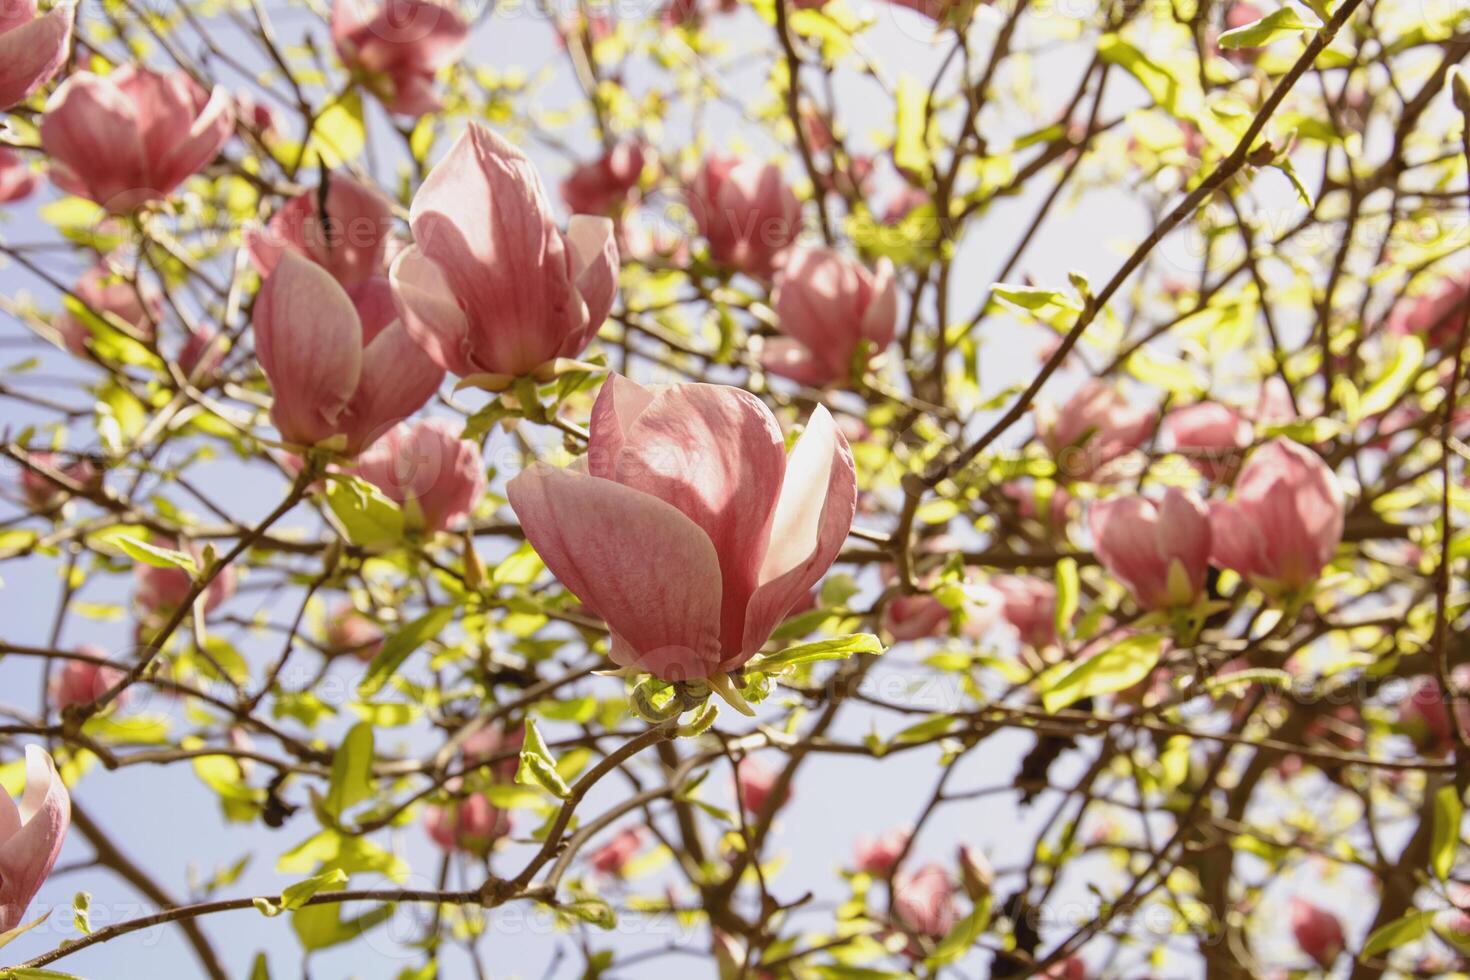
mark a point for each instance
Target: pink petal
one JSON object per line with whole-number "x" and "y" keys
{"x": 483, "y": 217}
{"x": 29, "y": 854}
{"x": 349, "y": 243}
{"x": 1184, "y": 533}
{"x": 594, "y": 250}
{"x": 194, "y": 148}
{"x": 812, "y": 518}
{"x": 880, "y": 322}
{"x": 794, "y": 360}
{"x": 430, "y": 314}
{"x": 1125, "y": 533}
{"x": 397, "y": 380}
{"x": 645, "y": 568}
{"x": 1235, "y": 542}
{"x": 618, "y": 406}
{"x": 309, "y": 343}
{"x": 92, "y": 129}
{"x": 715, "y": 453}
{"x": 31, "y": 53}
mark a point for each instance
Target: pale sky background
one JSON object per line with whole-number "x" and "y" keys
{"x": 169, "y": 823}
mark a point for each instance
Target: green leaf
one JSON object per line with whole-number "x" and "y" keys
{"x": 6, "y": 938}
{"x": 1448, "y": 811}
{"x": 351, "y": 770}
{"x": 1175, "y": 90}
{"x": 1400, "y": 932}
{"x": 396, "y": 648}
{"x": 339, "y": 134}
{"x": 837, "y": 648}
{"x": 33, "y": 973}
{"x": 1069, "y": 592}
{"x": 1033, "y": 298}
{"x": 1239, "y": 680}
{"x": 1286, "y": 167}
{"x": 369, "y": 517}
{"x": 81, "y": 913}
{"x": 297, "y": 895}
{"x": 537, "y": 764}
{"x": 1115, "y": 669}
{"x": 1278, "y": 24}
{"x": 925, "y": 730}
{"x": 520, "y": 567}
{"x": 322, "y": 926}
{"x": 590, "y": 909}
{"x": 1385, "y": 392}
{"x": 910, "y": 152}
{"x": 152, "y": 554}
{"x": 963, "y": 936}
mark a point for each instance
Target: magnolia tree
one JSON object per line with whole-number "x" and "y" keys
{"x": 825, "y": 490}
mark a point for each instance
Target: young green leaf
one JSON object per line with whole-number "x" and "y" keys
{"x": 1115, "y": 669}
{"x": 1400, "y": 932}
{"x": 1448, "y": 812}
{"x": 351, "y": 771}
{"x": 1280, "y": 23}
{"x": 537, "y": 764}
{"x": 298, "y": 894}
{"x": 396, "y": 648}
{"x": 837, "y": 648}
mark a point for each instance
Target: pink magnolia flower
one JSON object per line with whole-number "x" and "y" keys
{"x": 17, "y": 180}
{"x": 491, "y": 285}
{"x": 689, "y": 530}
{"x": 1160, "y": 550}
{"x": 339, "y": 365}
{"x": 1317, "y": 931}
{"x": 878, "y": 856}
{"x": 1273, "y": 404}
{"x": 437, "y": 476}
{"x": 606, "y": 184}
{"x": 158, "y": 591}
{"x": 32, "y": 49}
{"x": 746, "y": 212}
{"x": 1211, "y": 436}
{"x": 347, "y": 237}
{"x": 832, "y": 311}
{"x": 354, "y": 632}
{"x": 1032, "y": 498}
{"x": 1095, "y": 427}
{"x": 1436, "y": 315}
{"x": 912, "y": 617}
{"x": 202, "y": 354}
{"x": 1425, "y": 716}
{"x": 756, "y": 783}
{"x": 100, "y": 294}
{"x": 84, "y": 681}
{"x": 923, "y": 902}
{"x": 133, "y": 136}
{"x": 43, "y": 495}
{"x": 1030, "y": 607}
{"x": 903, "y": 203}
{"x": 611, "y": 858}
{"x": 395, "y": 48}
{"x": 471, "y": 824}
{"x": 256, "y": 114}
{"x": 1284, "y": 522}
{"x": 31, "y": 836}
{"x": 1071, "y": 968}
